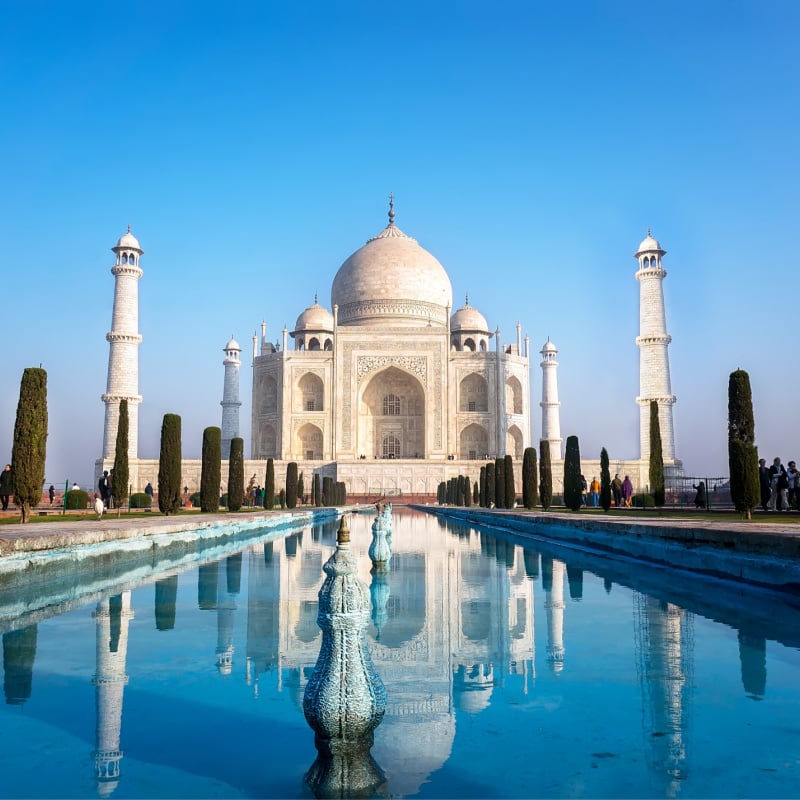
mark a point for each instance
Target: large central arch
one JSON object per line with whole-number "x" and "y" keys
{"x": 391, "y": 419}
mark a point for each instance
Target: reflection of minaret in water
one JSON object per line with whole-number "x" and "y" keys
{"x": 166, "y": 595}
{"x": 226, "y": 608}
{"x": 664, "y": 661}
{"x": 554, "y": 609}
{"x": 19, "y": 652}
{"x": 112, "y": 617}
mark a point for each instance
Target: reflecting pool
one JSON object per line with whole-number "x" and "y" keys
{"x": 511, "y": 671}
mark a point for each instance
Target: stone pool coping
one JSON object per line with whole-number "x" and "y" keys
{"x": 765, "y": 554}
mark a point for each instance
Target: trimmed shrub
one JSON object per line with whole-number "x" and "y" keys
{"x": 499, "y": 482}
{"x": 605, "y": 481}
{"x": 482, "y": 487}
{"x": 510, "y": 489}
{"x": 317, "y": 490}
{"x": 545, "y": 475}
{"x": 530, "y": 496}
{"x": 742, "y": 452}
{"x": 120, "y": 471}
{"x": 301, "y": 488}
{"x": 291, "y": 484}
{"x": 475, "y": 494}
{"x": 490, "y": 481}
{"x": 210, "y": 470}
{"x": 269, "y": 486}
{"x": 169, "y": 465}
{"x": 76, "y": 500}
{"x": 141, "y": 500}
{"x": 572, "y": 474}
{"x": 30, "y": 441}
{"x": 236, "y": 475}
{"x": 642, "y": 500}
{"x": 441, "y": 493}
{"x": 327, "y": 491}
{"x": 656, "y": 457}
{"x": 282, "y": 498}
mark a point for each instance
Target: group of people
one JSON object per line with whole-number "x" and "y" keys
{"x": 621, "y": 491}
{"x": 780, "y": 485}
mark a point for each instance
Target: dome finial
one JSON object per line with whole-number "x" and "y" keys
{"x": 391, "y": 208}
{"x": 129, "y": 227}
{"x": 343, "y": 535}
{"x": 466, "y": 299}
{"x": 648, "y": 231}
{"x": 315, "y": 299}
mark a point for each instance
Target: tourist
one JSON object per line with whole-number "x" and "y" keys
{"x": 793, "y": 494}
{"x": 764, "y": 482}
{"x": 616, "y": 490}
{"x": 700, "y": 496}
{"x": 779, "y": 484}
{"x": 52, "y": 493}
{"x": 6, "y": 488}
{"x": 584, "y": 490}
{"x": 149, "y": 489}
{"x": 104, "y": 485}
{"x": 594, "y": 488}
{"x": 627, "y": 491}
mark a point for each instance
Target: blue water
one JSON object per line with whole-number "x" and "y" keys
{"x": 510, "y": 672}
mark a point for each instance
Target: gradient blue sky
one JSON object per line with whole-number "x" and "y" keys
{"x": 252, "y": 146}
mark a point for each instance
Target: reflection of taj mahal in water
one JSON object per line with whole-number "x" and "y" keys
{"x": 391, "y": 391}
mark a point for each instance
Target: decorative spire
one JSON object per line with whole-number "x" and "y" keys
{"x": 648, "y": 230}
{"x": 391, "y": 208}
{"x": 315, "y": 299}
{"x": 466, "y": 299}
{"x": 343, "y": 535}
{"x": 129, "y": 227}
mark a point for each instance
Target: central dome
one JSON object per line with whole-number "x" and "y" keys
{"x": 393, "y": 280}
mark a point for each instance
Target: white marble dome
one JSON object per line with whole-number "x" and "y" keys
{"x": 392, "y": 280}
{"x": 127, "y": 242}
{"x": 232, "y": 345}
{"x": 469, "y": 319}
{"x": 549, "y": 347}
{"x": 649, "y": 245}
{"x": 314, "y": 318}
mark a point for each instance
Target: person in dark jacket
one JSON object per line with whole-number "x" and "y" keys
{"x": 6, "y": 486}
{"x": 764, "y": 482}
{"x": 700, "y": 497}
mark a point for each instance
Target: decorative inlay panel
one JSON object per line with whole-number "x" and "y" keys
{"x": 417, "y": 365}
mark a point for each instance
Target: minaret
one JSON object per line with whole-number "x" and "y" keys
{"x": 653, "y": 340}
{"x": 230, "y": 396}
{"x": 554, "y": 609}
{"x": 551, "y": 422}
{"x": 124, "y": 341}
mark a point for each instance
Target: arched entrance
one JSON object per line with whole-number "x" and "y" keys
{"x": 391, "y": 419}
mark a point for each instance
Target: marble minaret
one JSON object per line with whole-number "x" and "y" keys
{"x": 653, "y": 340}
{"x": 230, "y": 396}
{"x": 551, "y": 422}
{"x": 124, "y": 341}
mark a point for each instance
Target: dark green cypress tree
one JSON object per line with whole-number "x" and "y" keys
{"x": 269, "y": 486}
{"x": 605, "y": 481}
{"x": 742, "y": 452}
{"x": 656, "y": 458}
{"x": 475, "y": 494}
{"x": 291, "y": 484}
{"x": 530, "y": 497}
{"x": 499, "y": 482}
{"x": 317, "y": 490}
{"x": 545, "y": 475}
{"x": 300, "y": 487}
{"x": 441, "y": 494}
{"x": 327, "y": 491}
{"x": 467, "y": 491}
{"x": 490, "y": 482}
{"x": 169, "y": 465}
{"x": 211, "y": 470}
{"x": 510, "y": 488}
{"x": 29, "y": 449}
{"x": 236, "y": 475}
{"x": 121, "y": 471}
{"x": 572, "y": 474}
{"x": 482, "y": 488}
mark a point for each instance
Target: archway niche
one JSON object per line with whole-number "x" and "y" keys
{"x": 513, "y": 396}
{"x": 514, "y": 442}
{"x": 391, "y": 418}
{"x": 473, "y": 442}
{"x": 267, "y": 442}
{"x": 473, "y": 393}
{"x": 310, "y": 393}
{"x": 308, "y": 443}
{"x": 268, "y": 390}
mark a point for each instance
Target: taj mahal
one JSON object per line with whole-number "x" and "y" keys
{"x": 391, "y": 390}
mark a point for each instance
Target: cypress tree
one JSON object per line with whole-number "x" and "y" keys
{"x": 545, "y": 475}
{"x": 291, "y": 484}
{"x": 169, "y": 465}
{"x": 482, "y": 487}
{"x": 441, "y": 493}
{"x": 490, "y": 481}
{"x": 269, "y": 486}
{"x": 510, "y": 488}
{"x": 29, "y": 449}
{"x": 499, "y": 482}
{"x": 656, "y": 457}
{"x": 121, "y": 472}
{"x": 475, "y": 494}
{"x": 300, "y": 487}
{"x": 317, "y": 490}
{"x": 211, "y": 470}
{"x": 327, "y": 491}
{"x": 467, "y": 491}
{"x": 742, "y": 453}
{"x": 529, "y": 478}
{"x": 605, "y": 481}
{"x": 572, "y": 474}
{"x": 236, "y": 475}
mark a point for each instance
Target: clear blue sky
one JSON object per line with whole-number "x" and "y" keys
{"x": 252, "y": 146}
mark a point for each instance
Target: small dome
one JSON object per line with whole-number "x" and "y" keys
{"x": 649, "y": 245}
{"x": 233, "y": 345}
{"x": 314, "y": 318}
{"x": 549, "y": 347}
{"x": 128, "y": 242}
{"x": 470, "y": 319}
